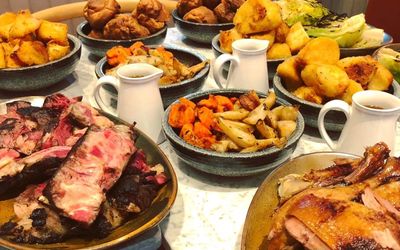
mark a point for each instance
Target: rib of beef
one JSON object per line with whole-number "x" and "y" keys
{"x": 95, "y": 163}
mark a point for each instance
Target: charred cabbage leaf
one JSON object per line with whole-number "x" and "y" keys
{"x": 346, "y": 31}
{"x": 308, "y": 12}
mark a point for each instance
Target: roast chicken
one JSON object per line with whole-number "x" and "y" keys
{"x": 355, "y": 204}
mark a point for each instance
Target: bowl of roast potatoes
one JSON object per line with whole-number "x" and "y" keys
{"x": 317, "y": 75}
{"x": 35, "y": 53}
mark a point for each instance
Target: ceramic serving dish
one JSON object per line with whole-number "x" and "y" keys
{"x": 172, "y": 92}
{"x": 99, "y": 47}
{"x": 44, "y": 75}
{"x": 346, "y": 52}
{"x": 231, "y": 163}
{"x": 199, "y": 32}
{"x": 334, "y": 120}
{"x": 144, "y": 221}
{"x": 258, "y": 220}
{"x": 272, "y": 63}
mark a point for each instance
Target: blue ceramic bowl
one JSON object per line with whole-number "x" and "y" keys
{"x": 231, "y": 163}
{"x": 44, "y": 75}
{"x": 99, "y": 47}
{"x": 199, "y": 32}
{"x": 172, "y": 92}
{"x": 334, "y": 120}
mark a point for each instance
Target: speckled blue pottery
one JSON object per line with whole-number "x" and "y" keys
{"x": 44, "y": 75}
{"x": 172, "y": 92}
{"x": 199, "y": 32}
{"x": 231, "y": 163}
{"x": 334, "y": 120}
{"x": 99, "y": 47}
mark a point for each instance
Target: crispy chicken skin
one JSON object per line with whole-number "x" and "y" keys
{"x": 99, "y": 12}
{"x": 184, "y": 6}
{"x": 124, "y": 26}
{"x": 201, "y": 15}
{"x": 345, "y": 224}
{"x": 279, "y": 237}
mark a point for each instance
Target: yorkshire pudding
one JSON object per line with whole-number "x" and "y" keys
{"x": 99, "y": 12}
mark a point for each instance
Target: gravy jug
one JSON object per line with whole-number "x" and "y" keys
{"x": 371, "y": 118}
{"x": 139, "y": 98}
{"x": 248, "y": 69}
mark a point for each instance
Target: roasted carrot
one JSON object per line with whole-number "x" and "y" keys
{"x": 224, "y": 103}
{"x": 187, "y": 102}
{"x": 210, "y": 103}
{"x": 117, "y": 55}
{"x": 206, "y": 117}
{"x": 201, "y": 131}
{"x": 180, "y": 115}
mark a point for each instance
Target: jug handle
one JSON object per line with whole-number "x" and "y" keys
{"x": 332, "y": 105}
{"x": 218, "y": 67}
{"x": 111, "y": 80}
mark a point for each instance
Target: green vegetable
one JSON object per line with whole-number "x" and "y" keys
{"x": 391, "y": 60}
{"x": 308, "y": 12}
{"x": 346, "y": 31}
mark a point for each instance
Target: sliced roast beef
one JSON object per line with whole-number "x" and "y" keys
{"x": 39, "y": 166}
{"x": 35, "y": 222}
{"x": 94, "y": 165}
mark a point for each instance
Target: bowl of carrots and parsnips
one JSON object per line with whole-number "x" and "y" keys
{"x": 233, "y": 132}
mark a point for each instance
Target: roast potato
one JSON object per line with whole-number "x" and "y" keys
{"x": 278, "y": 51}
{"x": 56, "y": 51}
{"x": 256, "y": 16}
{"x": 327, "y": 80}
{"x": 353, "y": 88}
{"x": 6, "y": 21}
{"x": 24, "y": 24}
{"x": 289, "y": 72}
{"x": 319, "y": 50}
{"x": 32, "y": 53}
{"x": 227, "y": 38}
{"x": 286, "y": 112}
{"x": 359, "y": 68}
{"x": 297, "y": 37}
{"x": 269, "y": 36}
{"x": 53, "y": 31}
{"x": 2, "y": 58}
{"x": 281, "y": 33}
{"x": 11, "y": 59}
{"x": 381, "y": 79}
{"x": 308, "y": 94}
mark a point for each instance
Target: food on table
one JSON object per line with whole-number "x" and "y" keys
{"x": 352, "y": 204}
{"x": 82, "y": 174}
{"x": 208, "y": 11}
{"x": 318, "y": 21}
{"x": 99, "y": 12}
{"x": 107, "y": 22}
{"x": 262, "y": 19}
{"x": 244, "y": 124}
{"x": 391, "y": 60}
{"x": 27, "y": 41}
{"x": 201, "y": 15}
{"x": 318, "y": 79}
{"x": 308, "y": 12}
{"x": 174, "y": 71}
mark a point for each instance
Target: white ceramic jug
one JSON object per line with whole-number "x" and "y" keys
{"x": 139, "y": 98}
{"x": 371, "y": 118}
{"x": 248, "y": 68}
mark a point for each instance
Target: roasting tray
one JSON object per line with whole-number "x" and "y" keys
{"x": 120, "y": 236}
{"x": 258, "y": 220}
